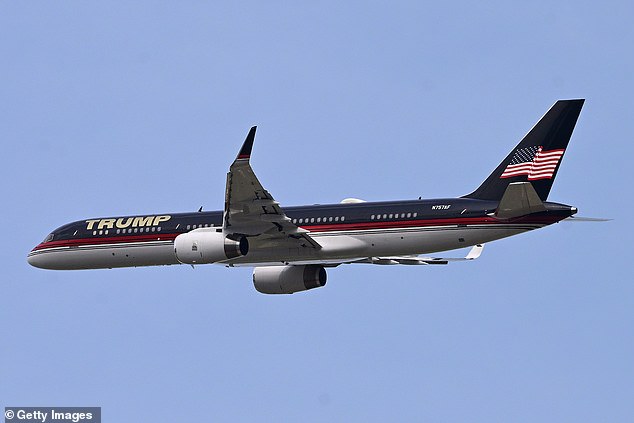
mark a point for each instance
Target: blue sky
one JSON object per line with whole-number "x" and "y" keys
{"x": 115, "y": 108}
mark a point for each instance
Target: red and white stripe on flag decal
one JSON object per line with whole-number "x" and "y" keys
{"x": 534, "y": 163}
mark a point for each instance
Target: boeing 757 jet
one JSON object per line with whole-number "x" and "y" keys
{"x": 290, "y": 248}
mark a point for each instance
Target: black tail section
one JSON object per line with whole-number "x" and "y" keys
{"x": 537, "y": 157}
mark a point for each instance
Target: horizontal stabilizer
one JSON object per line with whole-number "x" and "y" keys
{"x": 519, "y": 199}
{"x": 585, "y": 219}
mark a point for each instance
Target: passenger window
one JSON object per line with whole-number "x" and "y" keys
{"x": 318, "y": 219}
{"x": 415, "y": 214}
{"x": 343, "y": 218}
{"x": 385, "y": 216}
{"x": 330, "y": 219}
{"x": 409, "y": 215}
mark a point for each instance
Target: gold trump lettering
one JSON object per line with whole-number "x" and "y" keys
{"x": 142, "y": 221}
{"x": 126, "y": 222}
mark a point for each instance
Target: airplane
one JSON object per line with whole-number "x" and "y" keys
{"x": 290, "y": 248}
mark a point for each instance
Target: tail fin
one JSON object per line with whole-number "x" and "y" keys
{"x": 537, "y": 157}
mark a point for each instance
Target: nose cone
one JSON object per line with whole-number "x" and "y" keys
{"x": 37, "y": 259}
{"x": 41, "y": 259}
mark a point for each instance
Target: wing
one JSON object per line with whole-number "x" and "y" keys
{"x": 473, "y": 254}
{"x": 252, "y": 211}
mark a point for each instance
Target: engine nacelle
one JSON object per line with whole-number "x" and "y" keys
{"x": 205, "y": 245}
{"x": 288, "y": 279}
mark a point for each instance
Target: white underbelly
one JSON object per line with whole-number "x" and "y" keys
{"x": 105, "y": 256}
{"x": 342, "y": 246}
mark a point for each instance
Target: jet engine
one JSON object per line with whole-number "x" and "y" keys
{"x": 288, "y": 279}
{"x": 202, "y": 246}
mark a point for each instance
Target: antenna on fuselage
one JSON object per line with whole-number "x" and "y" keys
{"x": 200, "y": 209}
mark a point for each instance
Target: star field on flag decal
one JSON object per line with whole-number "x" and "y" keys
{"x": 533, "y": 162}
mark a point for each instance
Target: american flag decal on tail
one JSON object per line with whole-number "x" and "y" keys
{"x": 534, "y": 163}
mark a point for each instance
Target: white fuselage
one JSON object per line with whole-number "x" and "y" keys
{"x": 338, "y": 246}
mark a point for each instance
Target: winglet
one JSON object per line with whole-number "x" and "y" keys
{"x": 475, "y": 252}
{"x": 245, "y": 151}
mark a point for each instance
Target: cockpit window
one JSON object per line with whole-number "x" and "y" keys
{"x": 48, "y": 238}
